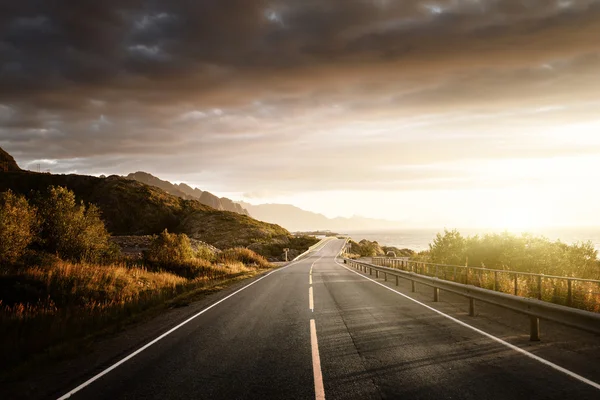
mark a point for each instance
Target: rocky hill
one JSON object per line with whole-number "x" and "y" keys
{"x": 7, "y": 162}
{"x": 130, "y": 207}
{"x": 186, "y": 192}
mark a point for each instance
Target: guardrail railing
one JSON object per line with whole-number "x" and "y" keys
{"x": 534, "y": 308}
{"x": 572, "y": 292}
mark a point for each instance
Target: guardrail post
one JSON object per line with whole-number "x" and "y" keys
{"x": 496, "y": 280}
{"x": 396, "y": 280}
{"x": 569, "y": 293}
{"x": 471, "y": 307}
{"x": 370, "y": 271}
{"x": 385, "y": 276}
{"x": 376, "y": 273}
{"x": 516, "y": 284}
{"x": 412, "y": 288}
{"x": 436, "y": 294}
{"x": 534, "y": 334}
{"x": 539, "y": 287}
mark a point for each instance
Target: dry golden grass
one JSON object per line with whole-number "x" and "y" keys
{"x": 585, "y": 295}
{"x": 65, "y": 301}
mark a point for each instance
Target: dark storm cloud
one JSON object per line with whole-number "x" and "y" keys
{"x": 61, "y": 44}
{"x": 190, "y": 85}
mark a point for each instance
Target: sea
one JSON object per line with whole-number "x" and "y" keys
{"x": 419, "y": 239}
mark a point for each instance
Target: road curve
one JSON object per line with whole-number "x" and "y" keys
{"x": 315, "y": 329}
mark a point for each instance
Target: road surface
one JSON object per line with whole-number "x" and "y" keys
{"x": 315, "y": 329}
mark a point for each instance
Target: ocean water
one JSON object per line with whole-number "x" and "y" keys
{"x": 419, "y": 239}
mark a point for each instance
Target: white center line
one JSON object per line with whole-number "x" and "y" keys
{"x": 319, "y": 389}
{"x": 310, "y": 279}
{"x": 511, "y": 346}
{"x": 311, "y": 303}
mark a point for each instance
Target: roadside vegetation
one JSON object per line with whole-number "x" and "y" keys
{"x": 523, "y": 253}
{"x": 527, "y": 254}
{"x": 62, "y": 278}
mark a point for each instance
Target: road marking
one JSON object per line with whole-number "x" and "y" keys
{"x": 494, "y": 338}
{"x": 138, "y": 351}
{"x": 311, "y": 303}
{"x": 310, "y": 279}
{"x": 314, "y": 344}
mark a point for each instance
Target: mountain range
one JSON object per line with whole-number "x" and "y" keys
{"x": 285, "y": 215}
{"x": 186, "y": 192}
{"x": 296, "y": 219}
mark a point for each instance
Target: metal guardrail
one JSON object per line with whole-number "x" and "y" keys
{"x": 535, "y": 309}
{"x": 468, "y": 275}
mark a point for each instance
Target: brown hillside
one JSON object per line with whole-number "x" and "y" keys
{"x": 7, "y": 162}
{"x": 132, "y": 208}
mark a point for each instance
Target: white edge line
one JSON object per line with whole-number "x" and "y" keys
{"x": 511, "y": 346}
{"x": 317, "y": 373}
{"x": 138, "y": 351}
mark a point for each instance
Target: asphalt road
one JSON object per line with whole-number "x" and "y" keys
{"x": 366, "y": 342}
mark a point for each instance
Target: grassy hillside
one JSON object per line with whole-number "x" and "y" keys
{"x": 129, "y": 207}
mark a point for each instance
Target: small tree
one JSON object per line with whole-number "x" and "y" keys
{"x": 448, "y": 248}
{"x": 71, "y": 230}
{"x": 17, "y": 226}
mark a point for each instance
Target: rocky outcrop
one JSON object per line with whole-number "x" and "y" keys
{"x": 7, "y": 162}
{"x": 151, "y": 180}
{"x": 194, "y": 192}
{"x": 211, "y": 200}
{"x": 229, "y": 205}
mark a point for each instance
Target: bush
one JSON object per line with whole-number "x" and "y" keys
{"x": 170, "y": 248}
{"x": 524, "y": 253}
{"x": 17, "y": 226}
{"x": 205, "y": 253}
{"x": 71, "y": 230}
{"x": 245, "y": 256}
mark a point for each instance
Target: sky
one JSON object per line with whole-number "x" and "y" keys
{"x": 457, "y": 113}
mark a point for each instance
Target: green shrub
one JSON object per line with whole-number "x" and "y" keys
{"x": 524, "y": 253}
{"x": 205, "y": 253}
{"x": 170, "y": 248}
{"x": 245, "y": 256}
{"x": 71, "y": 230}
{"x": 17, "y": 226}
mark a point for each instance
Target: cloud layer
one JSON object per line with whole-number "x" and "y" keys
{"x": 252, "y": 95}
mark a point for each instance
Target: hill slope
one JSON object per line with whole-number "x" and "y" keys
{"x": 186, "y": 192}
{"x": 296, "y": 219}
{"x": 132, "y": 208}
{"x": 7, "y": 162}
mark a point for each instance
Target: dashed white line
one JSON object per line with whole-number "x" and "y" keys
{"x": 316, "y": 359}
{"x": 494, "y": 338}
{"x": 311, "y": 303}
